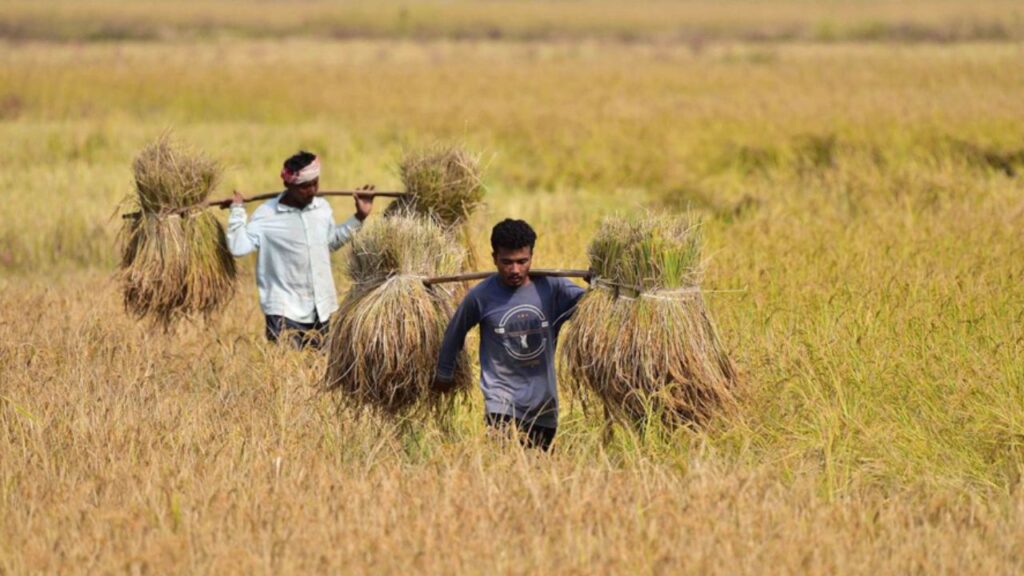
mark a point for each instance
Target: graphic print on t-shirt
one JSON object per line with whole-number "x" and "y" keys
{"x": 524, "y": 332}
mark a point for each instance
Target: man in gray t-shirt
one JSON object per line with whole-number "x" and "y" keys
{"x": 519, "y": 320}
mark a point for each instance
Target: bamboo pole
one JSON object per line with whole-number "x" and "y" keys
{"x": 226, "y": 202}
{"x": 467, "y": 276}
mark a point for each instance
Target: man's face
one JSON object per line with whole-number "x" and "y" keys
{"x": 514, "y": 265}
{"x": 303, "y": 194}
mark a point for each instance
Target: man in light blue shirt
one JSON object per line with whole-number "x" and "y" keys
{"x": 295, "y": 234}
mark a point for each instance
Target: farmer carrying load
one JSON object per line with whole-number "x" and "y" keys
{"x": 519, "y": 320}
{"x": 295, "y": 233}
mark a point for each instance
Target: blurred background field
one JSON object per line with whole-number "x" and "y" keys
{"x": 693, "y": 21}
{"x": 858, "y": 169}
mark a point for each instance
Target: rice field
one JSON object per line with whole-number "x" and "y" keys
{"x": 856, "y": 169}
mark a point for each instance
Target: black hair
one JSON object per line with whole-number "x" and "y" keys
{"x": 512, "y": 235}
{"x": 299, "y": 161}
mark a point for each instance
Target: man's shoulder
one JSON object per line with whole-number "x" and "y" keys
{"x": 483, "y": 287}
{"x": 550, "y": 282}
{"x": 320, "y": 203}
{"x": 553, "y": 286}
{"x": 564, "y": 283}
{"x": 482, "y": 292}
{"x": 267, "y": 209}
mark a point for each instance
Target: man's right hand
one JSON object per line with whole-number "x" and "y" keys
{"x": 237, "y": 199}
{"x": 364, "y": 203}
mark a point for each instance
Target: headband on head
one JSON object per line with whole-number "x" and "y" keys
{"x": 307, "y": 174}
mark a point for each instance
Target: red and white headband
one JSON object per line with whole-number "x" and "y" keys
{"x": 307, "y": 174}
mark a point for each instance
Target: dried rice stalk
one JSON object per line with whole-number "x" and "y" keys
{"x": 170, "y": 177}
{"x": 445, "y": 184}
{"x": 386, "y": 336}
{"x": 174, "y": 262}
{"x": 642, "y": 340}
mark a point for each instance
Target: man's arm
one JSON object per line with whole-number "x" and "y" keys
{"x": 342, "y": 233}
{"x": 567, "y": 296}
{"x": 242, "y": 237}
{"x": 466, "y": 317}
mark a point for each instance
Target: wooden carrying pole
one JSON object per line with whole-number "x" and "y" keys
{"x": 481, "y": 275}
{"x": 226, "y": 202}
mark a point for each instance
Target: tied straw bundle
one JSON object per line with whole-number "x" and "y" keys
{"x": 443, "y": 183}
{"x": 642, "y": 339}
{"x": 386, "y": 336}
{"x": 174, "y": 260}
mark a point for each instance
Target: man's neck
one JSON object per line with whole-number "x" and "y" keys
{"x": 289, "y": 200}
{"x": 526, "y": 282}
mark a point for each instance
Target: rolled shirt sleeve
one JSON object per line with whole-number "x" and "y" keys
{"x": 340, "y": 234}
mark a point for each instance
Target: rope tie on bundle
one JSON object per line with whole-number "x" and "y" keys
{"x": 639, "y": 292}
{"x": 165, "y": 213}
{"x": 665, "y": 294}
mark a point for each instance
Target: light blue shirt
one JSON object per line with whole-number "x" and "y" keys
{"x": 293, "y": 266}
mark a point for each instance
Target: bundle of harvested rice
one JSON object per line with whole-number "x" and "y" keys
{"x": 174, "y": 259}
{"x": 385, "y": 337}
{"x": 642, "y": 339}
{"x": 442, "y": 182}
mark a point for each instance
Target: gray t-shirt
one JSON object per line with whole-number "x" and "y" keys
{"x": 518, "y": 333}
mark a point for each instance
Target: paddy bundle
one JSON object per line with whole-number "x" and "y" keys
{"x": 642, "y": 339}
{"x": 386, "y": 335}
{"x": 444, "y": 183}
{"x": 174, "y": 260}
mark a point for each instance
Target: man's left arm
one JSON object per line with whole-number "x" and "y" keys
{"x": 567, "y": 296}
{"x": 341, "y": 233}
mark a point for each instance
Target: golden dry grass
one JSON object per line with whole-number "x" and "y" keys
{"x": 866, "y": 198}
{"x": 128, "y": 451}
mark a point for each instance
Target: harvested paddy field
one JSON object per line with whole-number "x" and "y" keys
{"x": 861, "y": 205}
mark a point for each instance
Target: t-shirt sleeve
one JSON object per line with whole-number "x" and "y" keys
{"x": 466, "y": 317}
